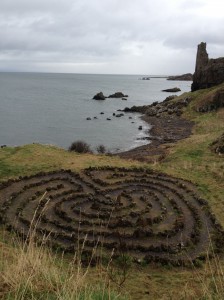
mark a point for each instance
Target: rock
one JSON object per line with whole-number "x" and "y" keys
{"x": 118, "y": 95}
{"x": 208, "y": 72}
{"x": 172, "y": 90}
{"x": 218, "y": 145}
{"x": 167, "y": 107}
{"x": 184, "y": 77}
{"x": 143, "y": 138}
{"x": 151, "y": 111}
{"x": 211, "y": 102}
{"x": 99, "y": 96}
{"x": 170, "y": 98}
{"x": 140, "y": 109}
{"x": 88, "y": 118}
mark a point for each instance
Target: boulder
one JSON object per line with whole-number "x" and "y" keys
{"x": 170, "y": 98}
{"x": 211, "y": 101}
{"x": 172, "y": 90}
{"x": 218, "y": 145}
{"x": 151, "y": 111}
{"x": 99, "y": 96}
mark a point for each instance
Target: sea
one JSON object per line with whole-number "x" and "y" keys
{"x": 52, "y": 109}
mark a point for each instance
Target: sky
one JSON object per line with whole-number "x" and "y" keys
{"x": 108, "y": 36}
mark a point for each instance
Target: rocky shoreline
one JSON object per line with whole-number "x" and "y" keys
{"x": 168, "y": 126}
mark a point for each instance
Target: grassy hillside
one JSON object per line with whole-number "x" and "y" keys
{"x": 192, "y": 158}
{"x": 30, "y": 159}
{"x": 189, "y": 159}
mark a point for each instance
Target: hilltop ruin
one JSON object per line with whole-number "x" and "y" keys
{"x": 208, "y": 72}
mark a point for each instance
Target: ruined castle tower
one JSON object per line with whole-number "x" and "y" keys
{"x": 208, "y": 72}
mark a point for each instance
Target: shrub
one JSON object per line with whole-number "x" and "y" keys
{"x": 101, "y": 149}
{"x": 80, "y": 147}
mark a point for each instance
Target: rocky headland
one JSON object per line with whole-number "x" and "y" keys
{"x": 184, "y": 77}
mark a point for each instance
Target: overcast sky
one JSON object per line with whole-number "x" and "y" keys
{"x": 108, "y": 36}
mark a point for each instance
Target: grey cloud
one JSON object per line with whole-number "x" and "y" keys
{"x": 22, "y": 7}
{"x": 108, "y": 33}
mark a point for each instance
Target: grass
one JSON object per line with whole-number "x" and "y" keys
{"x": 30, "y": 159}
{"x": 30, "y": 270}
{"x": 190, "y": 159}
{"x": 193, "y": 160}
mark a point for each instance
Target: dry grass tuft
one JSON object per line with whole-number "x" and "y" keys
{"x": 33, "y": 271}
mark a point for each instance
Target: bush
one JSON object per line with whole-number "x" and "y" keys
{"x": 101, "y": 149}
{"x": 80, "y": 147}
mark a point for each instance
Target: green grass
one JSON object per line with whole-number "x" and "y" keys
{"x": 30, "y": 159}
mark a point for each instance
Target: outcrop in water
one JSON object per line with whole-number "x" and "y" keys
{"x": 172, "y": 90}
{"x": 208, "y": 72}
{"x": 118, "y": 95}
{"x": 99, "y": 96}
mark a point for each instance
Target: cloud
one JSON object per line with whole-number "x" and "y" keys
{"x": 137, "y": 36}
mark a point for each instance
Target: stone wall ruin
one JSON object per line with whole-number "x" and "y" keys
{"x": 208, "y": 72}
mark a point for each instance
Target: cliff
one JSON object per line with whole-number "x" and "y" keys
{"x": 208, "y": 72}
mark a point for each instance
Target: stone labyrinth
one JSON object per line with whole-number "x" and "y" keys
{"x": 150, "y": 216}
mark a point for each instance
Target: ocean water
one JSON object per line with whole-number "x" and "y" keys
{"x": 52, "y": 108}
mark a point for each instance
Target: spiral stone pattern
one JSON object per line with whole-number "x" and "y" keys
{"x": 148, "y": 215}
